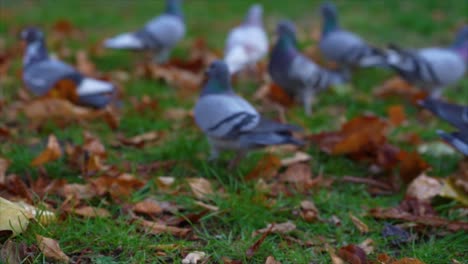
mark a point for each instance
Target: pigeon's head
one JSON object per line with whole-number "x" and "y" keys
{"x": 328, "y": 9}
{"x": 174, "y": 7}
{"x": 31, "y": 34}
{"x": 217, "y": 79}
{"x": 254, "y": 16}
{"x": 287, "y": 30}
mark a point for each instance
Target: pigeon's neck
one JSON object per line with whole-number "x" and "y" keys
{"x": 330, "y": 24}
{"x": 284, "y": 50}
{"x": 174, "y": 8}
{"x": 217, "y": 85}
{"x": 35, "y": 52}
{"x": 253, "y": 20}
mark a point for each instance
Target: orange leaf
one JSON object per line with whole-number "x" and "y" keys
{"x": 147, "y": 206}
{"x": 396, "y": 114}
{"x": 266, "y": 168}
{"x": 411, "y": 165}
{"x": 51, "y": 153}
{"x": 51, "y": 249}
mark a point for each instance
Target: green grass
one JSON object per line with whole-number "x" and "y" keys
{"x": 227, "y": 233}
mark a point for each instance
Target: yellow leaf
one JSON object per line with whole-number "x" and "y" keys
{"x": 13, "y": 217}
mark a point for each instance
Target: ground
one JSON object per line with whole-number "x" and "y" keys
{"x": 242, "y": 210}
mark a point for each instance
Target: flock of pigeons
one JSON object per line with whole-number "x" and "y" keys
{"x": 232, "y": 123}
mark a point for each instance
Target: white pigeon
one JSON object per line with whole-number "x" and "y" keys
{"x": 247, "y": 43}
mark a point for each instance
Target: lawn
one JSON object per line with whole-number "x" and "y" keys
{"x": 241, "y": 207}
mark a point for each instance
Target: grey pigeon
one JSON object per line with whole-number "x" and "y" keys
{"x": 345, "y": 47}
{"x": 247, "y": 43}
{"x": 457, "y": 116}
{"x": 159, "y": 35}
{"x": 41, "y": 73}
{"x": 296, "y": 74}
{"x": 232, "y": 123}
{"x": 431, "y": 68}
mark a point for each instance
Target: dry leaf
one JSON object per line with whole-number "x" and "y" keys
{"x": 308, "y": 211}
{"x": 141, "y": 140}
{"x": 398, "y": 87}
{"x": 51, "y": 249}
{"x": 281, "y": 228}
{"x": 84, "y": 65}
{"x": 298, "y": 174}
{"x": 207, "y": 206}
{"x": 77, "y": 191}
{"x": 396, "y": 114}
{"x": 13, "y": 217}
{"x": 194, "y": 257}
{"x": 147, "y": 206}
{"x": 424, "y": 187}
{"x": 353, "y": 254}
{"x": 4, "y": 163}
{"x": 266, "y": 168}
{"x": 334, "y": 258}
{"x": 363, "y": 228}
{"x": 367, "y": 245}
{"x": 121, "y": 186}
{"x": 165, "y": 182}
{"x": 271, "y": 260}
{"x": 157, "y": 228}
{"x": 92, "y": 212}
{"x": 298, "y": 157}
{"x": 51, "y": 153}
{"x": 200, "y": 187}
{"x": 411, "y": 165}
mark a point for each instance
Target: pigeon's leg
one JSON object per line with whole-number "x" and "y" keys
{"x": 308, "y": 97}
{"x": 162, "y": 56}
{"x": 239, "y": 156}
{"x": 214, "y": 153}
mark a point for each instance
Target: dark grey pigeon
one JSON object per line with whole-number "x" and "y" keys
{"x": 296, "y": 74}
{"x": 344, "y": 47}
{"x": 41, "y": 73}
{"x": 232, "y": 123}
{"x": 457, "y": 116}
{"x": 159, "y": 35}
{"x": 431, "y": 68}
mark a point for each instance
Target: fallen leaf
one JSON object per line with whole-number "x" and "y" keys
{"x": 281, "y": 228}
{"x": 157, "y": 228}
{"x": 396, "y": 114}
{"x": 298, "y": 157}
{"x": 271, "y": 260}
{"x": 77, "y": 191}
{"x": 424, "y": 187}
{"x": 200, "y": 187}
{"x": 84, "y": 65}
{"x": 298, "y": 174}
{"x": 207, "y": 206}
{"x": 266, "y": 168}
{"x": 309, "y": 211}
{"x": 91, "y": 212}
{"x": 51, "y": 153}
{"x": 147, "y": 206}
{"x": 165, "y": 182}
{"x": 411, "y": 165}
{"x": 121, "y": 186}
{"x": 13, "y": 217}
{"x": 363, "y": 228}
{"x": 407, "y": 261}
{"x": 353, "y": 254}
{"x": 194, "y": 257}
{"x": 177, "y": 113}
{"x": 367, "y": 245}
{"x": 436, "y": 148}
{"x": 335, "y": 259}
{"x": 4, "y": 163}
{"x": 16, "y": 253}
{"x": 397, "y": 87}
{"x": 254, "y": 248}
{"x": 51, "y": 249}
{"x": 141, "y": 140}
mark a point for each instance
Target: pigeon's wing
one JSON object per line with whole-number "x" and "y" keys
{"x": 458, "y": 140}
{"x": 443, "y": 65}
{"x": 348, "y": 48}
{"x": 42, "y": 76}
{"x": 269, "y": 133}
{"x": 456, "y": 115}
{"x": 163, "y": 31}
{"x": 225, "y": 116}
{"x": 308, "y": 74}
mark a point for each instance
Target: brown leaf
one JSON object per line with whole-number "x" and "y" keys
{"x": 271, "y": 260}
{"x": 281, "y": 228}
{"x": 77, "y": 191}
{"x": 273, "y": 92}
{"x": 4, "y": 163}
{"x": 51, "y": 249}
{"x": 121, "y": 186}
{"x": 309, "y": 212}
{"x": 157, "y": 228}
{"x": 141, "y": 140}
{"x": 16, "y": 253}
{"x": 63, "y": 26}
{"x": 177, "y": 113}
{"x": 266, "y": 168}
{"x": 84, "y": 65}
{"x": 254, "y": 248}
{"x": 407, "y": 261}
{"x": 424, "y": 188}
{"x": 396, "y": 114}
{"x": 411, "y": 165}
{"x": 91, "y": 212}
{"x": 299, "y": 174}
{"x": 147, "y": 206}
{"x": 353, "y": 254}
{"x": 51, "y": 153}
{"x": 397, "y": 87}
{"x": 363, "y": 228}
{"x": 64, "y": 89}
{"x": 200, "y": 187}
{"x": 367, "y": 245}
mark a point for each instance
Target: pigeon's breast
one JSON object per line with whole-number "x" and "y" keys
{"x": 447, "y": 65}
{"x": 166, "y": 29}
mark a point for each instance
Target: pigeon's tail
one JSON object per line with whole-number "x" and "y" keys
{"x": 456, "y": 115}
{"x": 236, "y": 58}
{"x": 375, "y": 57}
{"x": 89, "y": 86}
{"x": 124, "y": 41}
{"x": 395, "y": 54}
{"x": 456, "y": 139}
{"x": 265, "y": 139}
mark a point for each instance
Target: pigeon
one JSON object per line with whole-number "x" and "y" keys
{"x": 457, "y": 116}
{"x": 232, "y": 123}
{"x": 159, "y": 35}
{"x": 41, "y": 73}
{"x": 247, "y": 43}
{"x": 296, "y": 74}
{"x": 431, "y": 68}
{"x": 344, "y": 47}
